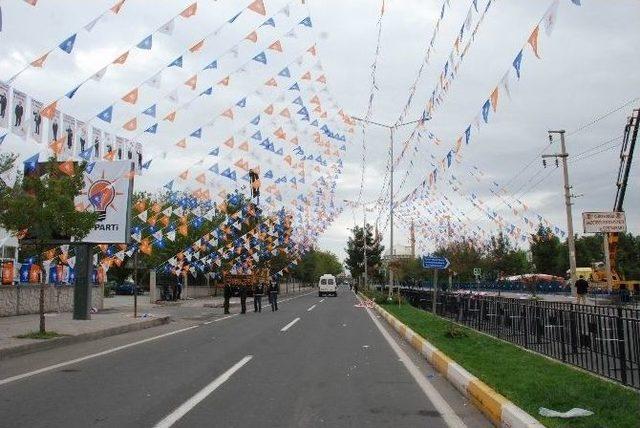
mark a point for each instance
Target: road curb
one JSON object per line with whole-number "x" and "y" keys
{"x": 497, "y": 408}
{"x": 28, "y": 348}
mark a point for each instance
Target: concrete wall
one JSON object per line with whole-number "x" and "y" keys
{"x": 24, "y": 299}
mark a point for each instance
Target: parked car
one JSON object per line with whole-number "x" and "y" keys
{"x": 126, "y": 288}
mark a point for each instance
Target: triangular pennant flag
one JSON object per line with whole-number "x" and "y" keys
{"x": 182, "y": 143}
{"x": 215, "y": 152}
{"x": 197, "y": 47}
{"x": 192, "y": 82}
{"x": 306, "y": 22}
{"x": 271, "y": 82}
{"x": 190, "y": 11}
{"x": 224, "y": 82}
{"x": 99, "y": 75}
{"x": 176, "y": 62}
{"x": 67, "y": 167}
{"x": 92, "y": 24}
{"x": 72, "y": 92}
{"x": 131, "y": 125}
{"x": 167, "y": 28}
{"x": 146, "y": 43}
{"x": 57, "y": 146}
{"x": 151, "y": 111}
{"x": 229, "y": 143}
{"x": 258, "y": 7}
{"x": 269, "y": 22}
{"x": 106, "y": 114}
{"x": 40, "y": 61}
{"x": 131, "y": 97}
{"x": 234, "y": 17}
{"x": 533, "y": 40}
{"x": 242, "y": 102}
{"x": 276, "y": 46}
{"x": 312, "y": 50}
{"x": 197, "y": 133}
{"x": 152, "y": 129}
{"x": 67, "y": 45}
{"x": 211, "y": 65}
{"x": 244, "y": 146}
{"x": 122, "y": 58}
{"x": 253, "y": 36}
{"x": 171, "y": 116}
{"x": 494, "y": 99}
{"x": 228, "y": 113}
{"x": 261, "y": 57}
{"x": 116, "y": 7}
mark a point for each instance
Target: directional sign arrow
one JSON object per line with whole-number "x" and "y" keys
{"x": 435, "y": 262}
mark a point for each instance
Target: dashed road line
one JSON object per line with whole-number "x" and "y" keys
{"x": 288, "y": 326}
{"x": 311, "y": 308}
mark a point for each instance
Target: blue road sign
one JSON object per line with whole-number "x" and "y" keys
{"x": 435, "y": 262}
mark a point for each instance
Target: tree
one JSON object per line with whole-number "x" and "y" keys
{"x": 546, "y": 251}
{"x": 504, "y": 259}
{"x": 41, "y": 206}
{"x": 316, "y": 263}
{"x": 355, "y": 252}
{"x": 464, "y": 256}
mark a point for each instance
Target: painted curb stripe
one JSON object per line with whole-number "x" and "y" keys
{"x": 496, "y": 407}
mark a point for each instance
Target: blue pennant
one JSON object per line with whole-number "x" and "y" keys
{"x": 256, "y": 120}
{"x": 152, "y": 129}
{"x": 215, "y": 152}
{"x": 106, "y": 114}
{"x": 270, "y": 22}
{"x": 261, "y": 57}
{"x": 285, "y": 72}
{"x": 298, "y": 101}
{"x": 197, "y": 133}
{"x": 67, "y": 45}
{"x": 294, "y": 87}
{"x": 146, "y": 43}
{"x": 242, "y": 102}
{"x": 212, "y": 65}
{"x": 257, "y": 136}
{"x": 207, "y": 91}
{"x": 72, "y": 92}
{"x": 176, "y": 62}
{"x": 306, "y": 22}
{"x": 151, "y": 111}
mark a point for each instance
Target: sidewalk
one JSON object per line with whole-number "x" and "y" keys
{"x": 115, "y": 318}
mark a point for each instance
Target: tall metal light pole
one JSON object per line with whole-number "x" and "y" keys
{"x": 391, "y": 128}
{"x": 567, "y": 202}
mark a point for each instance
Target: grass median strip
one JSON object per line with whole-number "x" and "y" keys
{"x": 530, "y": 381}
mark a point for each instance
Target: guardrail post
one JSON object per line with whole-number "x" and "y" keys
{"x": 573, "y": 328}
{"x": 621, "y": 347}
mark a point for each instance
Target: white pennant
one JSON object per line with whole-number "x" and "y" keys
{"x": 99, "y": 75}
{"x": 167, "y": 28}
{"x": 92, "y": 24}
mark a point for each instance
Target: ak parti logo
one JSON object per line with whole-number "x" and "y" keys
{"x": 101, "y": 194}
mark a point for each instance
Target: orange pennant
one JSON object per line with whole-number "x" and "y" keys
{"x": 253, "y": 36}
{"x": 321, "y": 79}
{"x": 494, "y": 99}
{"x": 285, "y": 113}
{"x": 533, "y": 40}
{"x": 40, "y": 61}
{"x": 140, "y": 206}
{"x": 171, "y": 116}
{"x": 228, "y": 113}
{"x": 190, "y": 11}
{"x": 183, "y": 230}
{"x": 49, "y": 110}
{"x": 229, "y": 143}
{"x": 294, "y": 141}
{"x": 183, "y": 175}
{"x": 244, "y": 146}
{"x": 269, "y": 109}
{"x": 182, "y": 143}
{"x": 131, "y": 125}
{"x": 306, "y": 76}
{"x": 202, "y": 178}
{"x": 67, "y": 168}
{"x": 196, "y": 48}
{"x": 258, "y": 7}
{"x": 315, "y": 100}
{"x": 271, "y": 82}
{"x": 131, "y": 97}
{"x": 312, "y": 50}
{"x": 192, "y": 82}
{"x": 280, "y": 134}
{"x": 122, "y": 58}
{"x": 224, "y": 82}
{"x": 116, "y": 7}
{"x": 276, "y": 46}
{"x": 56, "y": 146}
{"x": 110, "y": 155}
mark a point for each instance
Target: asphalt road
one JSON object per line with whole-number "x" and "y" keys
{"x": 315, "y": 362}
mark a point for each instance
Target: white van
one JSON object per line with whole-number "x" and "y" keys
{"x": 327, "y": 285}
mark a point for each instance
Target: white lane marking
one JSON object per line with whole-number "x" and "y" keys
{"x": 207, "y": 322}
{"x": 286, "y": 327}
{"x": 225, "y": 318}
{"x": 192, "y": 402}
{"x": 450, "y": 417}
{"x": 88, "y": 357}
{"x": 311, "y": 308}
{"x": 321, "y": 300}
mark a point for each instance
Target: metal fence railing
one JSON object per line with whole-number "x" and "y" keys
{"x": 601, "y": 339}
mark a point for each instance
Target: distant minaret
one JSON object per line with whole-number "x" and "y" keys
{"x": 412, "y": 238}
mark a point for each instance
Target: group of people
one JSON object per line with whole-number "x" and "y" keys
{"x": 272, "y": 289}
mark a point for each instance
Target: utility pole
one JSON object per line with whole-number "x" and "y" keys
{"x": 567, "y": 201}
{"x": 391, "y": 128}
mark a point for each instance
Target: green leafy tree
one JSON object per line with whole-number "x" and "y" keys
{"x": 464, "y": 256}
{"x": 42, "y": 206}
{"x": 316, "y": 263}
{"x": 504, "y": 259}
{"x": 355, "y": 253}
{"x": 546, "y": 252}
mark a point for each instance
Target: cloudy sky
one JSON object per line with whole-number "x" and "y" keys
{"x": 588, "y": 67}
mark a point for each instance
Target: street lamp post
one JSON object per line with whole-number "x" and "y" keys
{"x": 391, "y": 128}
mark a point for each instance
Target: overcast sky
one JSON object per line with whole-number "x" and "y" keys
{"x": 588, "y": 67}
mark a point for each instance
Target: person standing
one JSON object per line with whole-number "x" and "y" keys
{"x": 3, "y": 105}
{"x": 227, "y": 296}
{"x": 37, "y": 120}
{"x": 582, "y": 287}
{"x": 69, "y": 137}
{"x": 178, "y": 292}
{"x": 19, "y": 111}
{"x": 243, "y": 298}
{"x": 257, "y": 297}
{"x": 273, "y": 294}
{"x": 54, "y": 129}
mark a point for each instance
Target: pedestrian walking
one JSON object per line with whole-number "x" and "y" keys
{"x": 274, "y": 288}
{"x": 582, "y": 287}
{"x": 243, "y": 298}
{"x": 178, "y": 288}
{"x": 227, "y": 296}
{"x": 257, "y": 297}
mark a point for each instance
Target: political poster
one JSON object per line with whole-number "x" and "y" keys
{"x": 35, "y": 130}
{"x": 107, "y": 191}
{"x": 4, "y": 105}
{"x": 19, "y": 123}
{"x": 120, "y": 148}
{"x": 82, "y": 137}
{"x": 68, "y": 131}
{"x": 138, "y": 158}
{"x": 96, "y": 135}
{"x": 108, "y": 149}
{"x": 55, "y": 130}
